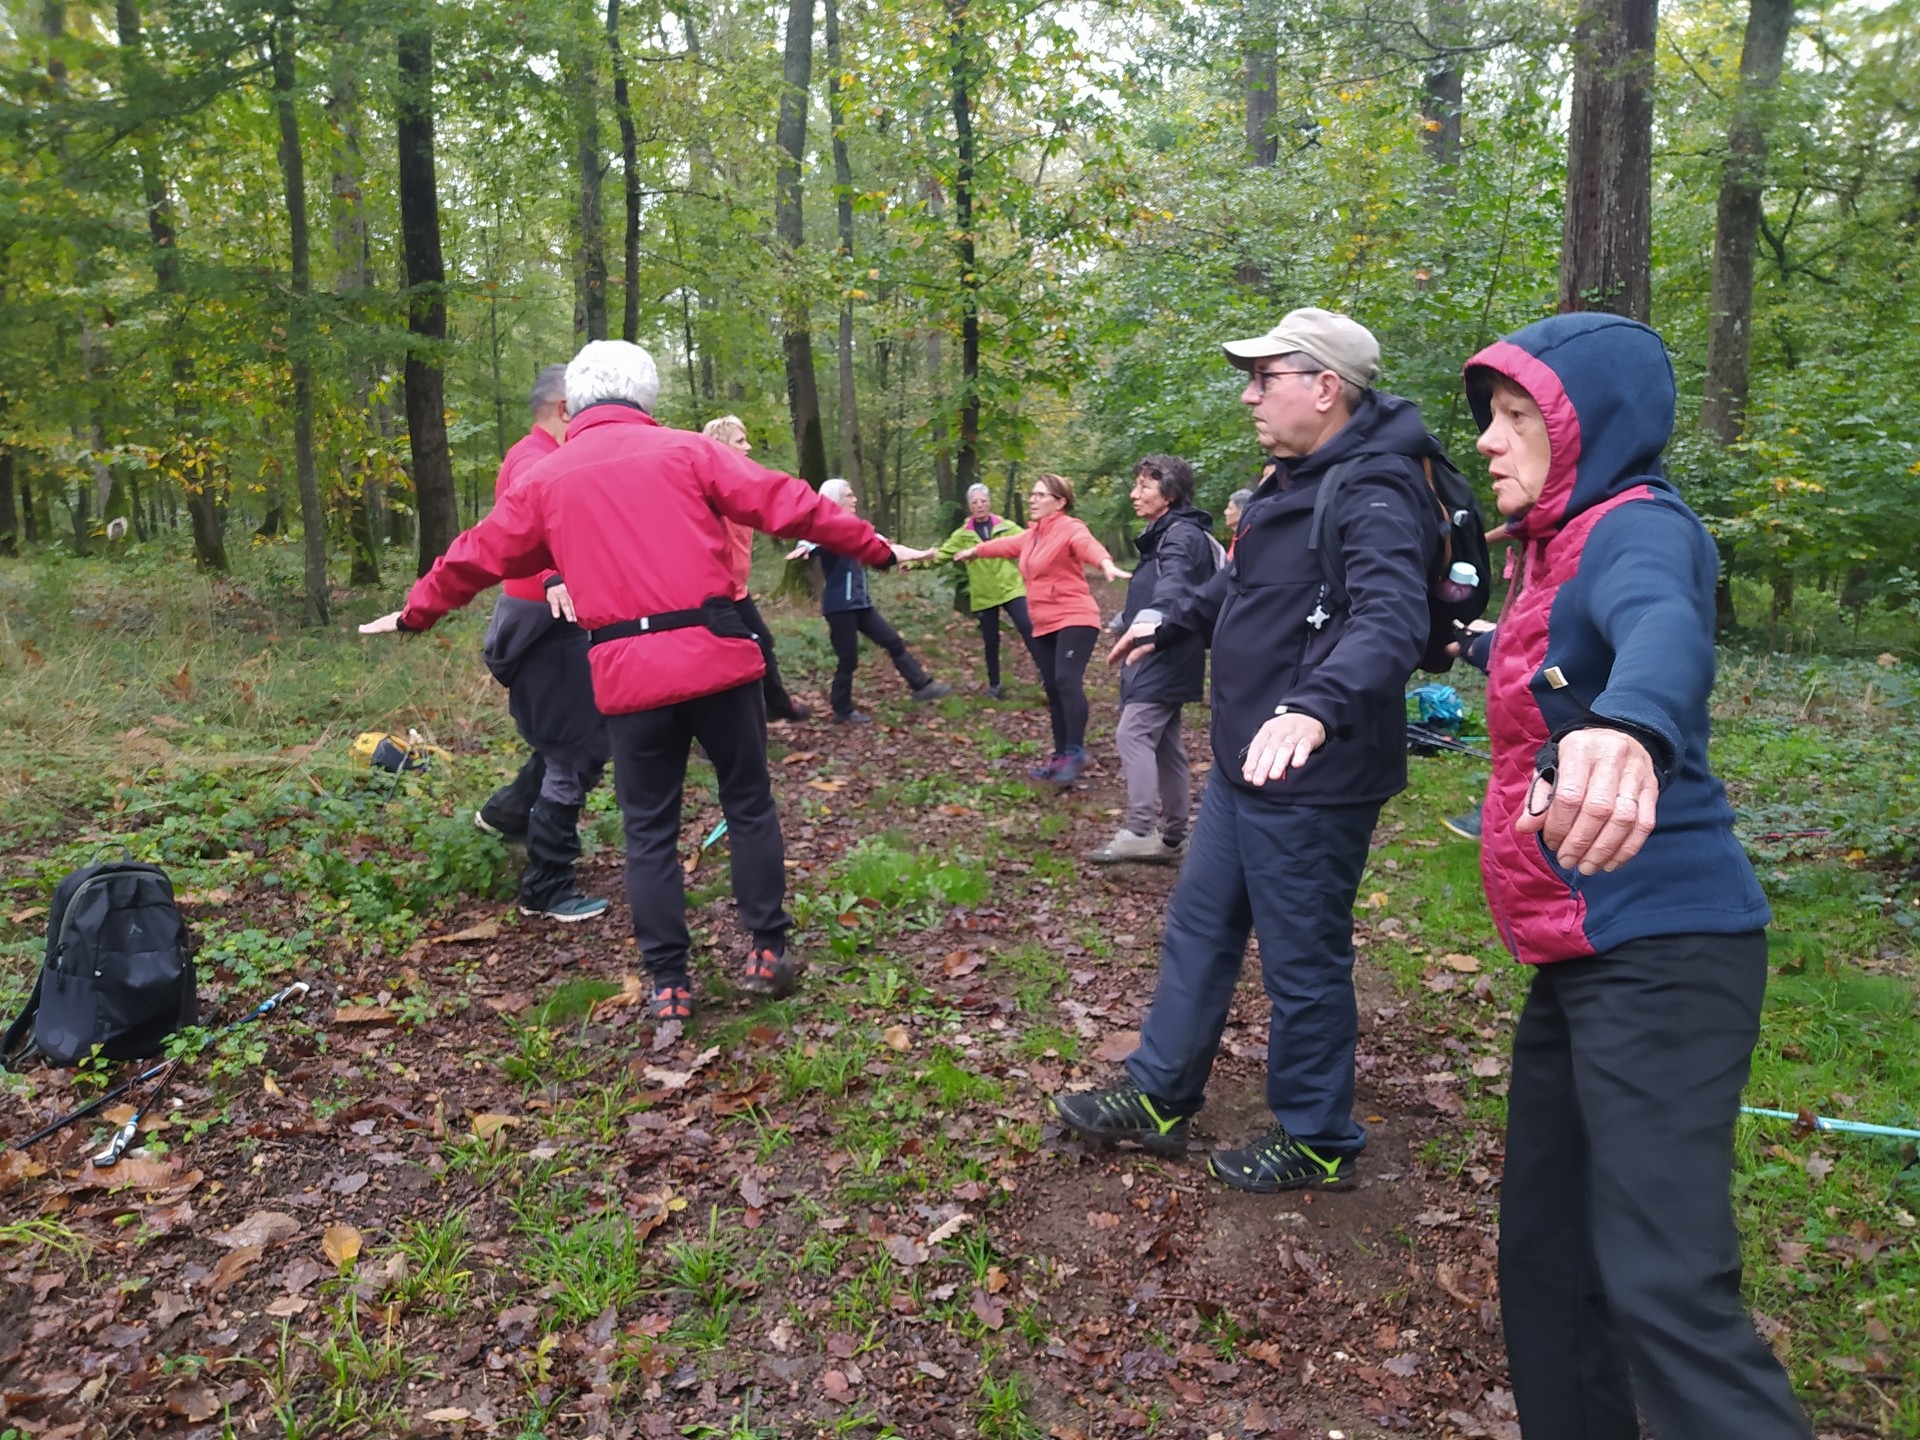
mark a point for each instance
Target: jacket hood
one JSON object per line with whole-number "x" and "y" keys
{"x": 1605, "y": 387}
{"x": 1148, "y": 539}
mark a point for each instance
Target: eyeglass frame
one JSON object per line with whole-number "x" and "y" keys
{"x": 1263, "y": 376}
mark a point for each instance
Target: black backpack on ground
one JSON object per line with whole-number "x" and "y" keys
{"x": 1463, "y": 538}
{"x": 118, "y": 972}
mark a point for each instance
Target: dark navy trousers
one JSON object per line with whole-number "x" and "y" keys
{"x": 1287, "y": 873}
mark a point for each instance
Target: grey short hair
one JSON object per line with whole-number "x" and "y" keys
{"x": 1240, "y": 498}
{"x": 611, "y": 370}
{"x": 1351, "y": 393}
{"x": 549, "y": 389}
{"x": 978, "y": 489}
{"x": 836, "y": 490}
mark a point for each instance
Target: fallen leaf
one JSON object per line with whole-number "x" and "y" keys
{"x": 957, "y": 811}
{"x": 631, "y": 992}
{"x": 989, "y": 1310}
{"x": 1818, "y": 1166}
{"x": 667, "y": 1079}
{"x": 834, "y": 1382}
{"x": 17, "y": 1165}
{"x": 232, "y": 1266}
{"x": 996, "y": 1279}
{"x": 948, "y": 1228}
{"x": 287, "y": 1306}
{"x": 1488, "y": 1066}
{"x": 341, "y": 1245}
{"x": 1465, "y": 964}
{"x": 753, "y": 1192}
{"x": 515, "y": 1316}
{"x": 897, "y": 1038}
{"x": 1375, "y": 901}
{"x": 832, "y": 787}
{"x": 362, "y": 1015}
{"x": 262, "y": 1227}
{"x": 906, "y": 1250}
{"x": 486, "y": 1126}
{"x": 135, "y": 1172}
{"x": 485, "y": 930}
{"x": 32, "y": 912}
{"x": 800, "y": 757}
{"x": 448, "y": 1415}
{"x": 960, "y": 963}
{"x": 1117, "y": 1046}
{"x": 193, "y": 1401}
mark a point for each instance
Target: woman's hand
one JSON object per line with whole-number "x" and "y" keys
{"x": 963, "y": 556}
{"x": 1113, "y": 572}
{"x": 1600, "y": 808}
{"x": 560, "y": 602}
{"x": 385, "y": 625}
{"x": 800, "y": 551}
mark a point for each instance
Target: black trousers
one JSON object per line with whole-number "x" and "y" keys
{"x": 649, "y": 774}
{"x": 779, "y": 703}
{"x": 1619, "y": 1261}
{"x": 989, "y": 619}
{"x": 844, "y": 629}
{"x": 1062, "y": 657}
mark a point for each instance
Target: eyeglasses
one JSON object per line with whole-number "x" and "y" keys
{"x": 1261, "y": 377}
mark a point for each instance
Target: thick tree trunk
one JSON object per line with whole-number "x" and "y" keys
{"x": 435, "y": 500}
{"x": 590, "y": 258}
{"x": 962, "y": 73}
{"x": 1606, "y": 250}
{"x": 630, "y": 175}
{"x": 852, "y": 464}
{"x": 293, "y": 171}
{"x": 803, "y": 392}
{"x": 1440, "y": 101}
{"x": 1260, "y": 80}
{"x": 1737, "y": 225}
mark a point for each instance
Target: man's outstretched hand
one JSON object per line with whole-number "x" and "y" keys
{"x": 1282, "y": 744}
{"x": 1129, "y": 649}
{"x": 385, "y": 625}
{"x": 1600, "y": 808}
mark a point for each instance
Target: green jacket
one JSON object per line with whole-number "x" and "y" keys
{"x": 989, "y": 582}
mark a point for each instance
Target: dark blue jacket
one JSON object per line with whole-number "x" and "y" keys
{"x": 1176, "y": 559}
{"x": 1610, "y": 624}
{"x": 1280, "y": 642}
{"x": 846, "y": 583}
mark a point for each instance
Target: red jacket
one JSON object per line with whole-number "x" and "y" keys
{"x": 536, "y": 444}
{"x": 1054, "y": 554}
{"x": 740, "y": 554}
{"x": 634, "y": 515}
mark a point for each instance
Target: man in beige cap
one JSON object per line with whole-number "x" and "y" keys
{"x": 1309, "y": 739}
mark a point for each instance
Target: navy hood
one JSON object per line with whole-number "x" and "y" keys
{"x": 1605, "y": 387}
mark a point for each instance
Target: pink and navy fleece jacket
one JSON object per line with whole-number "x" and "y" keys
{"x": 1610, "y": 624}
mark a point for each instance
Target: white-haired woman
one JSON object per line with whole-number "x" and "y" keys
{"x": 850, "y": 614}
{"x": 993, "y": 586}
{"x": 729, "y": 430}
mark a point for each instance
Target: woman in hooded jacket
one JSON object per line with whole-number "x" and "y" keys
{"x": 1611, "y": 867}
{"x": 1054, "y": 555}
{"x": 993, "y": 586}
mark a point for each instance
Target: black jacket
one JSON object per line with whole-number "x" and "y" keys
{"x": 1280, "y": 641}
{"x": 1176, "y": 559}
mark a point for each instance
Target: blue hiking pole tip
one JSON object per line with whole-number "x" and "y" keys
{"x": 1838, "y": 1127}
{"x": 718, "y": 831}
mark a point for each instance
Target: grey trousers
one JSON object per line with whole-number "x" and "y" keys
{"x": 1153, "y": 757}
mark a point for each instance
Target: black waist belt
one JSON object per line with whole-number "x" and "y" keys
{"x": 716, "y": 613}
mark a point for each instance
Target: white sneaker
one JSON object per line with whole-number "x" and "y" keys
{"x": 1125, "y": 845}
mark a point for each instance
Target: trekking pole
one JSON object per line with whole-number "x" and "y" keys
{"x": 298, "y": 988}
{"x": 1842, "y": 1127}
{"x": 1439, "y": 740}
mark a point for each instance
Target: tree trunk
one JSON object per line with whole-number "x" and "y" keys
{"x": 852, "y": 462}
{"x": 353, "y": 277}
{"x": 1606, "y": 248}
{"x": 1737, "y": 225}
{"x": 803, "y": 393}
{"x": 9, "y": 519}
{"x": 1440, "y": 102}
{"x": 590, "y": 261}
{"x": 435, "y": 500}
{"x": 1260, "y": 79}
{"x": 963, "y": 70}
{"x": 630, "y": 175}
{"x": 293, "y": 171}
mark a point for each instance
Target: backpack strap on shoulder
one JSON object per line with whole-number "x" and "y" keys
{"x": 1323, "y": 539}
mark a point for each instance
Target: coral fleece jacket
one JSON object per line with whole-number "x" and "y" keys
{"x": 1610, "y": 624}
{"x": 634, "y": 515}
{"x": 1054, "y": 555}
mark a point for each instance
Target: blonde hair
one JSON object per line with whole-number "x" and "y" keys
{"x": 1058, "y": 486}
{"x": 725, "y": 429}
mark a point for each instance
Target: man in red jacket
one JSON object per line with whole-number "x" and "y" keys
{"x": 536, "y": 651}
{"x": 634, "y": 515}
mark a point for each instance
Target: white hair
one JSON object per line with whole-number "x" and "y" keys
{"x": 611, "y": 370}
{"x": 978, "y": 489}
{"x": 836, "y": 490}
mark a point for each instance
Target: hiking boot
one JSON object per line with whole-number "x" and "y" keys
{"x": 1072, "y": 766}
{"x": 1146, "y": 849}
{"x": 566, "y": 908}
{"x": 1123, "y": 1112}
{"x": 1280, "y": 1162}
{"x": 1466, "y": 826}
{"x": 852, "y": 717}
{"x": 672, "y": 999}
{"x": 996, "y": 692}
{"x": 1046, "y": 769}
{"x": 1173, "y": 851}
{"x": 931, "y": 691}
{"x": 768, "y": 973}
{"x": 795, "y": 710}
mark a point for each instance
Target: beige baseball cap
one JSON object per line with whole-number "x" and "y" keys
{"x": 1344, "y": 346}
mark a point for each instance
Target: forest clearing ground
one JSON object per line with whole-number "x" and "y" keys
{"x": 470, "y": 1190}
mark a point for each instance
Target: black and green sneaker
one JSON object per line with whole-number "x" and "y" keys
{"x": 1280, "y": 1162}
{"x": 1123, "y": 1112}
